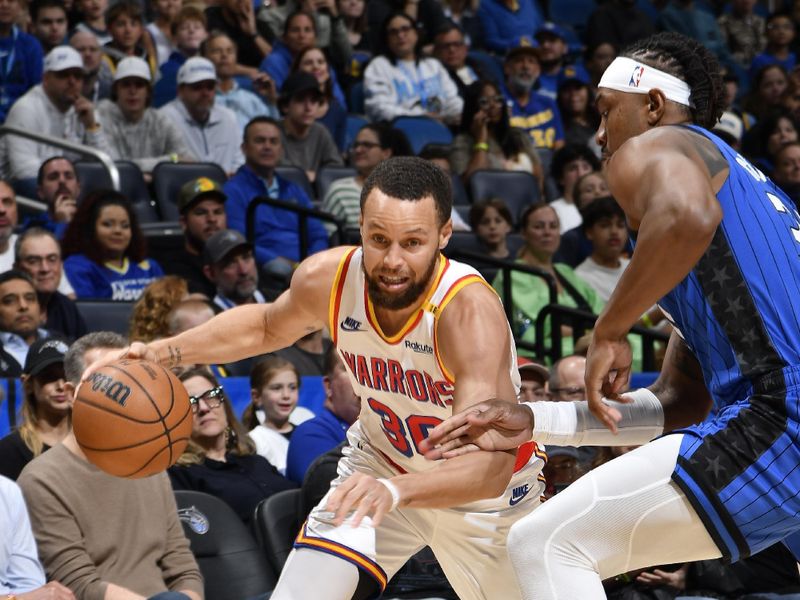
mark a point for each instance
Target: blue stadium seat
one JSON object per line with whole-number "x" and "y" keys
{"x": 327, "y": 175}
{"x": 93, "y": 176}
{"x": 572, "y": 13}
{"x": 169, "y": 177}
{"x": 517, "y": 189}
{"x": 421, "y": 131}
{"x": 355, "y": 98}
{"x": 460, "y": 196}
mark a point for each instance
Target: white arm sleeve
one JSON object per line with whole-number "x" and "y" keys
{"x": 572, "y": 424}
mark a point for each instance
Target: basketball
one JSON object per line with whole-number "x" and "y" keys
{"x": 132, "y": 418}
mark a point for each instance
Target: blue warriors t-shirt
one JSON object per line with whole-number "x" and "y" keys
{"x": 126, "y": 283}
{"x": 739, "y": 308}
{"x": 539, "y": 117}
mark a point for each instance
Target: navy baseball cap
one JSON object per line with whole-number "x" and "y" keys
{"x": 523, "y": 45}
{"x": 551, "y": 28}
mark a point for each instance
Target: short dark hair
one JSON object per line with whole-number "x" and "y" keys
{"x": 478, "y": 209}
{"x": 189, "y": 13}
{"x": 294, "y": 15}
{"x": 602, "y": 208}
{"x": 390, "y": 138}
{"x": 128, "y": 8}
{"x": 411, "y": 178}
{"x": 73, "y": 359}
{"x": 40, "y": 172}
{"x": 447, "y": 27}
{"x": 332, "y": 361}
{"x": 567, "y": 154}
{"x": 33, "y": 232}
{"x": 257, "y": 121}
{"x": 37, "y": 6}
{"x": 13, "y": 274}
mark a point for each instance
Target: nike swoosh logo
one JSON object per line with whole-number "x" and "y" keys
{"x": 516, "y": 500}
{"x": 347, "y": 327}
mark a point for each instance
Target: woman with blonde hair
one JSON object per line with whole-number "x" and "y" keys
{"x": 149, "y": 319}
{"x": 46, "y": 408}
{"x": 273, "y": 414}
{"x": 221, "y": 459}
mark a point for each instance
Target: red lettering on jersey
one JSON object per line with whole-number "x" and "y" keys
{"x": 444, "y": 388}
{"x": 432, "y": 394}
{"x": 362, "y": 371}
{"x": 416, "y": 385}
{"x": 350, "y": 359}
{"x": 379, "y": 374}
{"x": 396, "y": 383}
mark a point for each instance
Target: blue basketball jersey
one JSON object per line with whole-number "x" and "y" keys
{"x": 739, "y": 308}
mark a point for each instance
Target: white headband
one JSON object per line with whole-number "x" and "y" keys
{"x": 627, "y": 75}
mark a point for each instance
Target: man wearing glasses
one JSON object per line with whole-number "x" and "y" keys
{"x": 566, "y": 379}
{"x": 451, "y": 48}
{"x": 55, "y": 108}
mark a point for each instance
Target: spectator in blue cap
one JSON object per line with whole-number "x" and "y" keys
{"x": 553, "y": 52}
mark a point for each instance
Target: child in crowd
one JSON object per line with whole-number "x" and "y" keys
{"x": 780, "y": 35}
{"x": 491, "y": 221}
{"x": 604, "y": 225}
{"x": 94, "y": 19}
{"x": 125, "y": 25}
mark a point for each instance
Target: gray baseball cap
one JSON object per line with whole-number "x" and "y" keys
{"x": 222, "y": 243}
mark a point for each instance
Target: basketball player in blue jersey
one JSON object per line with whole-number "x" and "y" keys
{"x": 718, "y": 247}
{"x": 421, "y": 337}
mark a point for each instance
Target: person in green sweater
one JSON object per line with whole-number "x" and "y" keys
{"x": 540, "y": 231}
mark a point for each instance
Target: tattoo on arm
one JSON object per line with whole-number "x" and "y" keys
{"x": 174, "y": 356}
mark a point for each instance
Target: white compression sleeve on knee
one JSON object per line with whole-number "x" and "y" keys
{"x": 573, "y": 424}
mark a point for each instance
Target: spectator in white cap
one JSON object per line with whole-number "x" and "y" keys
{"x": 56, "y": 108}
{"x": 134, "y": 130}
{"x": 211, "y": 132}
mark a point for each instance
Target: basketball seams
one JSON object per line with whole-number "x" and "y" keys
{"x": 147, "y": 393}
{"x": 111, "y": 411}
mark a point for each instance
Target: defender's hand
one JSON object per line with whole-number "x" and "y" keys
{"x": 365, "y": 494}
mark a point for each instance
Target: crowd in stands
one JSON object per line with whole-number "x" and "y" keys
{"x": 298, "y": 101}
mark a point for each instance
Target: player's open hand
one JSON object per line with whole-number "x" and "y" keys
{"x": 608, "y": 370}
{"x": 136, "y": 351}
{"x": 362, "y": 493}
{"x": 492, "y": 425}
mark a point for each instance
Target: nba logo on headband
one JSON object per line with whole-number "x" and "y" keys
{"x": 636, "y": 76}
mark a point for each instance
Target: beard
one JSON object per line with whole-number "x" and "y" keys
{"x": 520, "y": 84}
{"x": 404, "y": 299}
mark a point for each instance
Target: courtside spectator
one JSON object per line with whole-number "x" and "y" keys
{"x": 464, "y": 14}
{"x": 231, "y": 268}
{"x": 402, "y": 82}
{"x": 201, "y": 203}
{"x": 767, "y": 88}
{"x": 531, "y": 111}
{"x": 575, "y": 246}
{"x": 427, "y": 14}
{"x": 486, "y": 139}
{"x": 94, "y": 19}
{"x": 450, "y": 47}
{"x": 569, "y": 164}
{"x": 211, "y": 132}
{"x": 762, "y": 142}
{"x": 150, "y": 315}
{"x": 787, "y": 171}
{"x": 189, "y": 32}
{"x": 134, "y": 130}
{"x": 49, "y": 23}
{"x": 277, "y": 242}
{"x": 566, "y": 379}
{"x": 8, "y": 222}
{"x": 38, "y": 253}
{"x": 187, "y": 314}
{"x": 328, "y": 429}
{"x": 743, "y": 31}
{"x": 58, "y": 187}
{"x": 578, "y": 112}
{"x": 596, "y": 59}
{"x": 221, "y": 458}
{"x": 125, "y": 23}
{"x": 780, "y": 34}
{"x": 237, "y": 19}
{"x": 160, "y": 29}
{"x": 21, "y": 321}
{"x": 329, "y": 26}
{"x": 553, "y": 51}
{"x": 97, "y": 77}
{"x": 105, "y": 252}
{"x": 55, "y": 108}
{"x": 307, "y": 144}
{"x": 80, "y": 515}
{"x": 506, "y": 21}
{"x": 533, "y": 380}
{"x": 332, "y": 112}
{"x": 246, "y": 105}
{"x": 299, "y": 33}
{"x": 492, "y": 222}
{"x": 21, "y": 573}
{"x": 374, "y": 143}
{"x": 46, "y": 409}
{"x": 22, "y": 57}
{"x": 605, "y": 227}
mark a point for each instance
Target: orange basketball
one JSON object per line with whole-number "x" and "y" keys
{"x": 132, "y": 418}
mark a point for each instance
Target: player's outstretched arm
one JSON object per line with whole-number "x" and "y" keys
{"x": 251, "y": 329}
{"x": 667, "y": 194}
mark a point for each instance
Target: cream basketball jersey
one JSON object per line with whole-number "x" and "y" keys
{"x": 405, "y": 388}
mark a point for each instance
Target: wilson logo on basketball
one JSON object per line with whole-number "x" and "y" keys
{"x": 113, "y": 389}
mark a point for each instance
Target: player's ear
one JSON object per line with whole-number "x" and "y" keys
{"x": 445, "y": 232}
{"x": 656, "y": 106}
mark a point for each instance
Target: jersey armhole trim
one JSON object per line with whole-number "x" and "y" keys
{"x": 336, "y": 293}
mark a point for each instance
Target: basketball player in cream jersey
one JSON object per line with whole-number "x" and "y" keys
{"x": 422, "y": 337}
